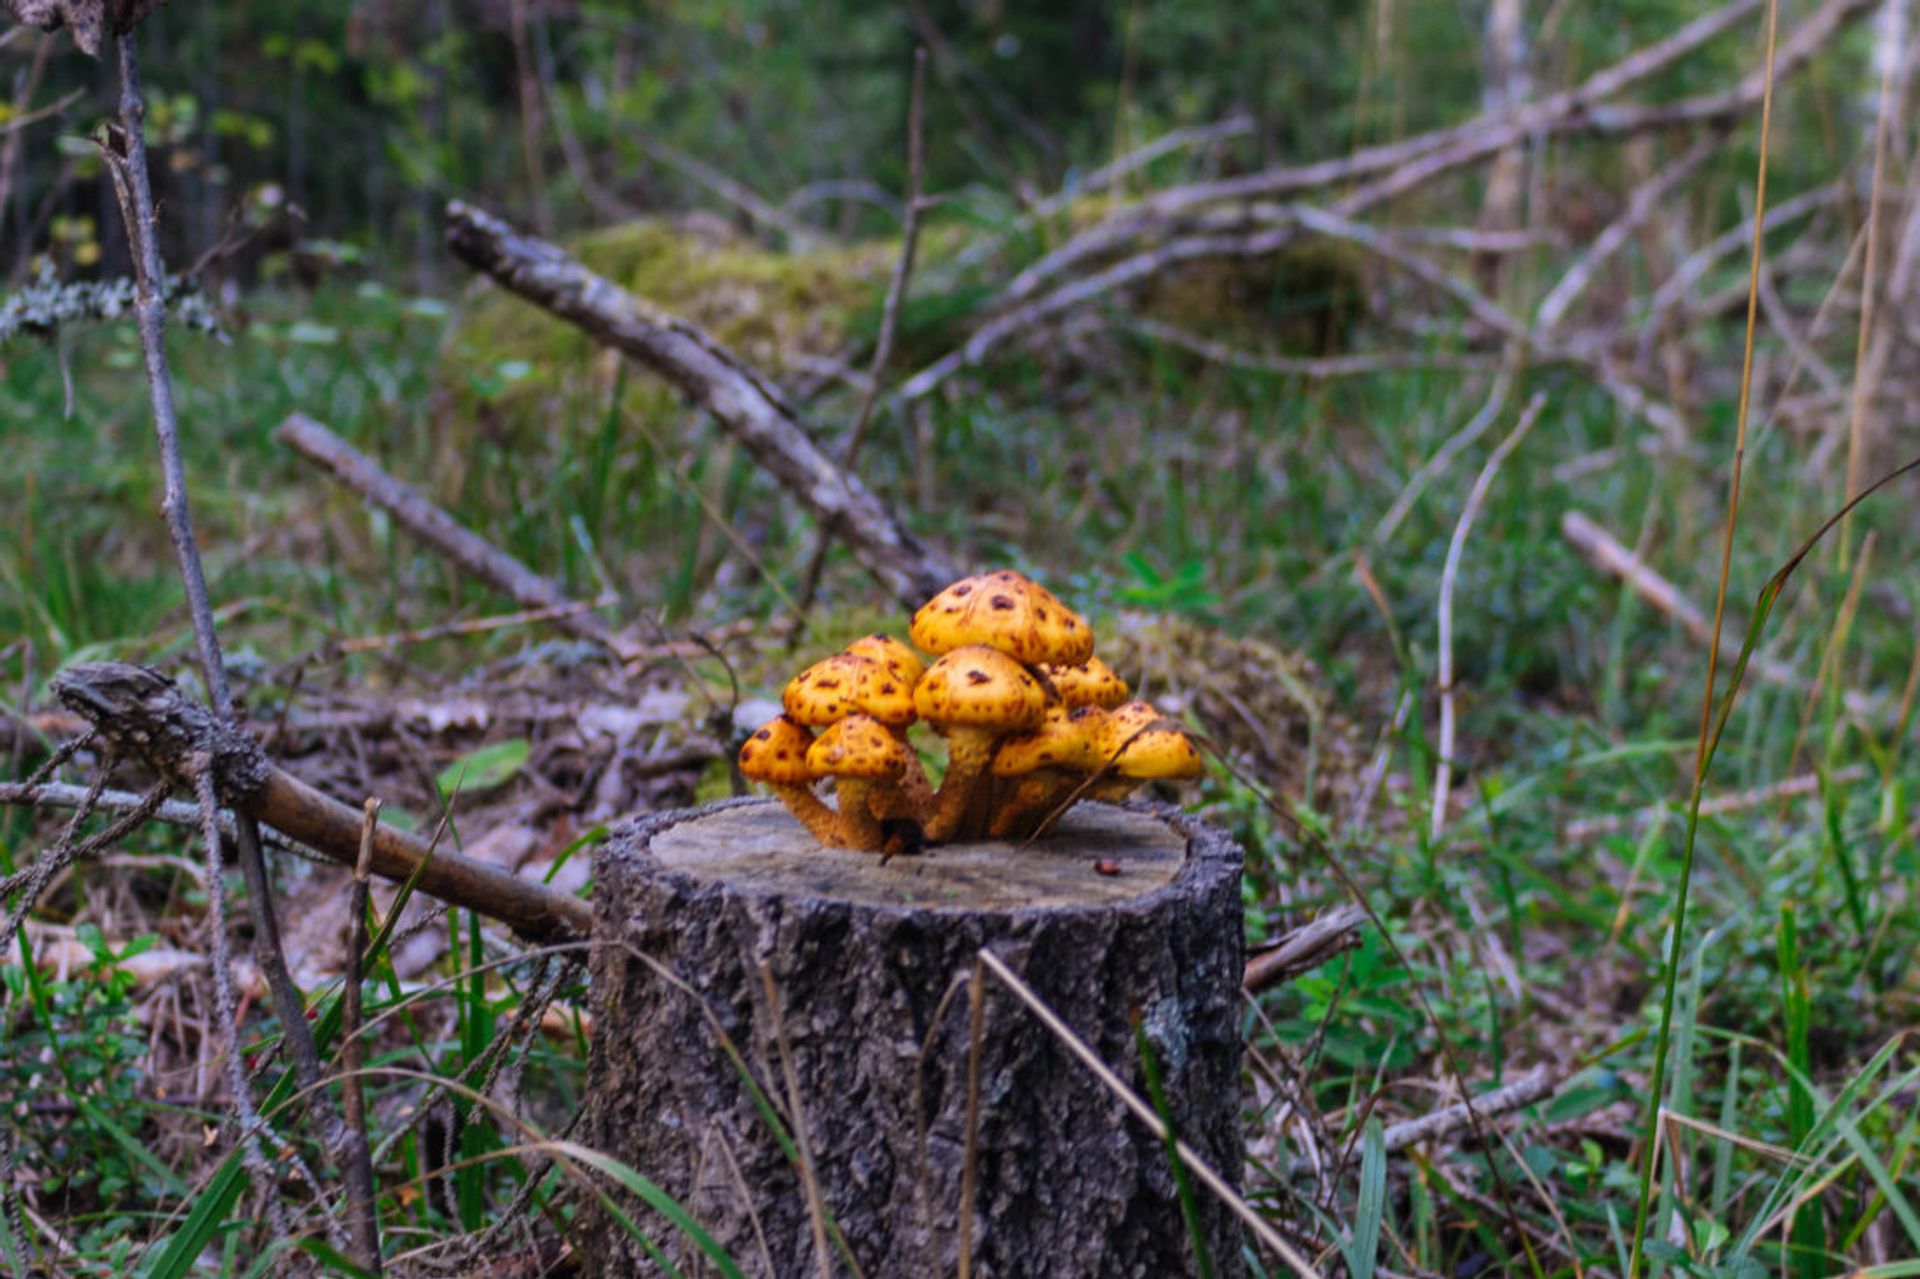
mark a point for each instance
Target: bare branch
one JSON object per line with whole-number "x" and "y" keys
{"x": 713, "y": 378}
{"x": 142, "y": 712}
{"x": 430, "y": 524}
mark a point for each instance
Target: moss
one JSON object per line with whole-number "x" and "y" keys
{"x": 1301, "y": 300}
{"x": 512, "y": 367}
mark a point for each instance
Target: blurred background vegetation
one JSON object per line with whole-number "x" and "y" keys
{"x": 743, "y": 164}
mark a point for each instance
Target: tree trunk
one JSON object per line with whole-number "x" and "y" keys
{"x": 1120, "y": 915}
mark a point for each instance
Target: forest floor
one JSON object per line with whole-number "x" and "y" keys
{"x": 1268, "y": 554}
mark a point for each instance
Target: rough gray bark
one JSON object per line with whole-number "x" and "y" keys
{"x": 872, "y": 963}
{"x": 712, "y": 377}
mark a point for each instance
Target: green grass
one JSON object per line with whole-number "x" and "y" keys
{"x": 1239, "y": 498}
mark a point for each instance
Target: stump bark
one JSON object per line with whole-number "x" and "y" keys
{"x": 1121, "y": 917}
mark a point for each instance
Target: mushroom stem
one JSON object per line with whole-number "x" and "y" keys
{"x": 805, "y": 805}
{"x": 1032, "y": 799}
{"x": 914, "y": 788}
{"x": 1114, "y": 788}
{"x": 969, "y": 752}
{"x": 856, "y": 826}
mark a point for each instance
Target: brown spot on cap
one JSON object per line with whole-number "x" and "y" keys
{"x": 977, "y": 676}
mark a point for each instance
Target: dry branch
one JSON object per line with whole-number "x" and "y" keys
{"x": 1608, "y": 554}
{"x": 445, "y": 534}
{"x": 1216, "y": 219}
{"x": 143, "y": 713}
{"x": 1481, "y": 136}
{"x": 1306, "y": 947}
{"x": 713, "y": 378}
{"x": 1524, "y": 1091}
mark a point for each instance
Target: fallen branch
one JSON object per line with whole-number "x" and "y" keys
{"x": 173, "y": 812}
{"x": 1536, "y": 1084}
{"x": 1614, "y": 823}
{"x": 713, "y": 378}
{"x": 143, "y": 713}
{"x": 1305, "y": 948}
{"x": 440, "y": 530}
{"x": 1609, "y": 555}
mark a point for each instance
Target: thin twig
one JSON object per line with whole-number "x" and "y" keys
{"x": 125, "y": 151}
{"x": 1614, "y": 823}
{"x": 361, "y": 1213}
{"x": 1457, "y": 443}
{"x": 173, "y": 812}
{"x": 1611, "y": 556}
{"x": 1134, "y": 1103}
{"x": 249, "y": 1131}
{"x": 1324, "y": 366}
{"x": 428, "y": 522}
{"x": 976, "y": 1039}
{"x": 1305, "y": 948}
{"x": 1443, "y": 767}
{"x": 889, "y": 327}
{"x": 1531, "y": 1087}
{"x": 809, "y": 1175}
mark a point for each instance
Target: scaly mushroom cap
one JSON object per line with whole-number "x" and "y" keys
{"x": 777, "y": 753}
{"x": 1092, "y": 683}
{"x": 1004, "y": 610}
{"x": 858, "y": 746}
{"x": 845, "y": 684}
{"x": 1147, "y": 746}
{"x": 892, "y": 654}
{"x": 1066, "y": 739}
{"x": 979, "y": 687}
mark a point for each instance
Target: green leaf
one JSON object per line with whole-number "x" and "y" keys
{"x": 485, "y": 768}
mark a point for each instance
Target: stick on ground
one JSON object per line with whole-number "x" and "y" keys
{"x": 445, "y": 534}
{"x": 142, "y": 711}
{"x": 713, "y": 378}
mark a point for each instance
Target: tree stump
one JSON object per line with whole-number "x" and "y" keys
{"x": 1123, "y": 916}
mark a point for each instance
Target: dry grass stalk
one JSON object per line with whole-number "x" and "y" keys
{"x": 1443, "y": 768}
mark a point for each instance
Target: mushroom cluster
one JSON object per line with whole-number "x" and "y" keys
{"x": 1033, "y": 720}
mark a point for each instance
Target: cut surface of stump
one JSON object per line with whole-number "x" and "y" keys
{"x": 1125, "y": 921}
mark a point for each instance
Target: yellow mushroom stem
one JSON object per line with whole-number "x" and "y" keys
{"x": 969, "y": 752}
{"x": 856, "y": 826}
{"x": 805, "y": 805}
{"x": 1033, "y": 799}
{"x": 913, "y": 797}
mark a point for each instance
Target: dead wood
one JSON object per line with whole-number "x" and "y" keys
{"x": 1306, "y": 947}
{"x": 426, "y": 521}
{"x": 713, "y": 378}
{"x": 144, "y": 714}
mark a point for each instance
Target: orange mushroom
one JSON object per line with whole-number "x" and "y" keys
{"x": 974, "y": 696}
{"x": 776, "y": 757}
{"x": 1004, "y": 610}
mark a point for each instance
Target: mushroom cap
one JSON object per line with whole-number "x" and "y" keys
{"x": 979, "y": 687}
{"x": 1004, "y": 610}
{"x": 894, "y": 654}
{"x": 1148, "y": 747}
{"x": 1065, "y": 738}
{"x": 1091, "y": 683}
{"x": 858, "y": 746}
{"x": 777, "y": 753}
{"x": 845, "y": 684}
